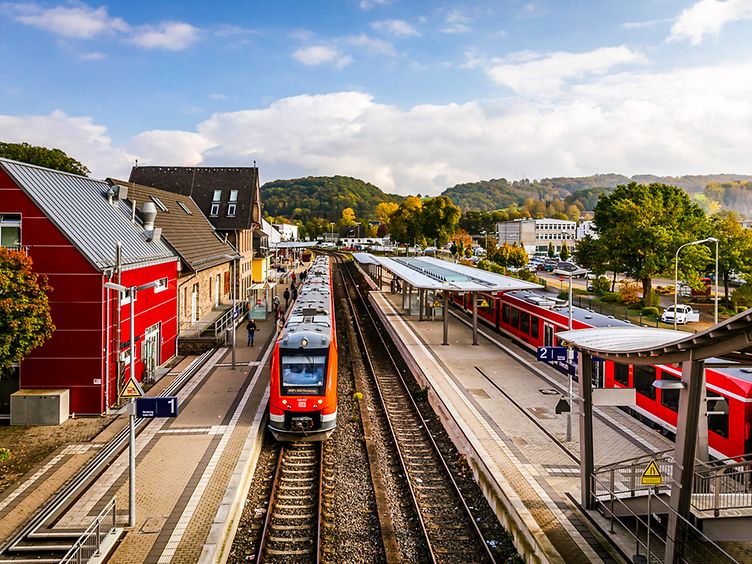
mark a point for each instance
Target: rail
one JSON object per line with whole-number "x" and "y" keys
{"x": 624, "y": 477}
{"x": 89, "y": 544}
{"x": 723, "y": 487}
{"x": 227, "y": 318}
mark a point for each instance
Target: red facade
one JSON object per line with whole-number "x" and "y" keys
{"x": 75, "y": 357}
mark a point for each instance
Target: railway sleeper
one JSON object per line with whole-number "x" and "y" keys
{"x": 280, "y": 552}
{"x": 286, "y": 516}
{"x": 290, "y": 539}
{"x": 294, "y": 507}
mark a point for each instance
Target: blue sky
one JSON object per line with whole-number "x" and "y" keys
{"x": 413, "y": 96}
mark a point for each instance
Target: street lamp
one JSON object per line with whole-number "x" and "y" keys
{"x": 676, "y": 275}
{"x": 484, "y": 232}
{"x": 131, "y": 404}
{"x": 569, "y": 413}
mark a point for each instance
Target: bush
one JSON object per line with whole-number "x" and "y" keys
{"x": 563, "y": 295}
{"x": 653, "y": 301}
{"x": 629, "y": 292}
{"x": 650, "y": 311}
{"x": 740, "y": 309}
{"x": 610, "y": 297}
{"x": 664, "y": 290}
{"x": 526, "y": 275}
{"x": 742, "y": 296}
{"x": 601, "y": 285}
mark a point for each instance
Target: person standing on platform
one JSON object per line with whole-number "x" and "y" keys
{"x": 294, "y": 293}
{"x": 280, "y": 324}
{"x": 286, "y": 295}
{"x": 275, "y": 302}
{"x": 292, "y": 276}
{"x": 251, "y": 328}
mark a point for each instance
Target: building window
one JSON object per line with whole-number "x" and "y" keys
{"x": 718, "y": 415}
{"x": 10, "y": 230}
{"x": 231, "y": 210}
{"x": 159, "y": 203}
{"x": 125, "y": 297}
{"x": 185, "y": 208}
{"x": 621, "y": 374}
{"x": 233, "y": 195}
{"x": 217, "y": 196}
{"x": 214, "y": 210}
{"x": 670, "y": 398}
{"x": 161, "y": 285}
{"x": 534, "y": 327}
{"x": 644, "y": 376}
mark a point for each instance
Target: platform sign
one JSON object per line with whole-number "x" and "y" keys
{"x": 551, "y": 354}
{"x": 482, "y": 302}
{"x": 131, "y": 389}
{"x": 157, "y": 407}
{"x": 652, "y": 475}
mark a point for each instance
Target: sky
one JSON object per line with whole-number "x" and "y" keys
{"x": 412, "y": 95}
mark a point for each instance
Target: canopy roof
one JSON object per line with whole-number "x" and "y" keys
{"x": 728, "y": 341}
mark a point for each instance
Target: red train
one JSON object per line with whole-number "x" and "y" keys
{"x": 533, "y": 320}
{"x": 303, "y": 378}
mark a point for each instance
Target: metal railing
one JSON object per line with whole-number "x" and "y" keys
{"x": 227, "y": 318}
{"x": 90, "y": 542}
{"x": 727, "y": 486}
{"x": 624, "y": 477}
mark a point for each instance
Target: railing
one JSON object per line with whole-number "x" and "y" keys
{"x": 89, "y": 544}
{"x": 728, "y": 486}
{"x": 226, "y": 321}
{"x": 624, "y": 476}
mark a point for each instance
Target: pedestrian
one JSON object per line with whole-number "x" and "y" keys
{"x": 292, "y": 276}
{"x": 286, "y": 295}
{"x": 275, "y": 302}
{"x": 294, "y": 294}
{"x": 251, "y": 328}
{"x": 280, "y": 324}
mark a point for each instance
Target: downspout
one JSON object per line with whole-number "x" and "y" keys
{"x": 107, "y": 348}
{"x": 118, "y": 337}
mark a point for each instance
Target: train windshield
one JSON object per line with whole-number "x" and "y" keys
{"x": 303, "y": 374}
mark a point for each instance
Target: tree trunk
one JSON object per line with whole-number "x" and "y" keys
{"x": 647, "y": 286}
{"x": 613, "y": 282}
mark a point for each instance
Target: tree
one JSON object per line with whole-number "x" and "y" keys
{"x": 510, "y": 255}
{"x": 348, "y": 218}
{"x": 645, "y": 225}
{"x": 734, "y": 247}
{"x": 551, "y": 250}
{"x": 564, "y": 252}
{"x": 405, "y": 223}
{"x": 439, "y": 218}
{"x": 25, "y": 321}
{"x": 42, "y": 156}
{"x": 461, "y": 242}
{"x": 385, "y": 210}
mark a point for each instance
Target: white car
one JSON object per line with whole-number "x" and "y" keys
{"x": 684, "y": 314}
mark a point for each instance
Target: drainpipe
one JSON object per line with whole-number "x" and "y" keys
{"x": 107, "y": 347}
{"x": 118, "y": 337}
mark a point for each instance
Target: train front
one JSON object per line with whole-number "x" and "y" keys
{"x": 303, "y": 383}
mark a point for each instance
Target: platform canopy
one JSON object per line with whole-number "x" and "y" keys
{"x": 730, "y": 340}
{"x": 435, "y": 274}
{"x": 293, "y": 245}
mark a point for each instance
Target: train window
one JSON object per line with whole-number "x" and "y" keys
{"x": 515, "y": 317}
{"x": 718, "y": 415}
{"x": 534, "y": 327}
{"x": 644, "y": 376}
{"x": 525, "y": 322}
{"x": 303, "y": 374}
{"x": 670, "y": 398}
{"x": 621, "y": 373}
{"x": 505, "y": 313}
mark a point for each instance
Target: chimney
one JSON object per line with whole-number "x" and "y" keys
{"x": 148, "y": 215}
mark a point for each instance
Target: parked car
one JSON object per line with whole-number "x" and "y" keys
{"x": 570, "y": 269}
{"x": 550, "y": 265}
{"x": 684, "y": 314}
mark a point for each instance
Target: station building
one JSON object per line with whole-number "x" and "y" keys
{"x": 536, "y": 234}
{"x": 82, "y": 233}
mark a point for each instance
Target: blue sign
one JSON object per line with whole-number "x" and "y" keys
{"x": 551, "y": 354}
{"x": 157, "y": 407}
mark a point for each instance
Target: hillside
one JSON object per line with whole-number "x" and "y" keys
{"x": 322, "y": 197}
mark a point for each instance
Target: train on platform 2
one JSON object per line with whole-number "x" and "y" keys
{"x": 303, "y": 375}
{"x": 533, "y": 320}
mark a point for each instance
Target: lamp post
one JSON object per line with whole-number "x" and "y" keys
{"x": 676, "y": 274}
{"x": 131, "y": 404}
{"x": 570, "y": 399}
{"x": 485, "y": 233}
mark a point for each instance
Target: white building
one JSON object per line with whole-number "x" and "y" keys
{"x": 288, "y": 231}
{"x": 536, "y": 234}
{"x": 586, "y": 228}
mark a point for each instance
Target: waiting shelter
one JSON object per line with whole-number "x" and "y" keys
{"x": 728, "y": 344}
{"x": 435, "y": 279}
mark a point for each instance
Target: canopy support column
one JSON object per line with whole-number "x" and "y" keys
{"x": 587, "y": 461}
{"x": 474, "y": 297}
{"x": 693, "y": 378}
{"x": 446, "y": 317}
{"x": 404, "y": 294}
{"x": 421, "y": 297}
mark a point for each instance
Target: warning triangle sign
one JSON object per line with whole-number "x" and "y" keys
{"x": 652, "y": 475}
{"x": 131, "y": 389}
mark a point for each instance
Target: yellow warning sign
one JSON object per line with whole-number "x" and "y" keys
{"x": 482, "y": 303}
{"x": 131, "y": 389}
{"x": 652, "y": 475}
{"x": 437, "y": 303}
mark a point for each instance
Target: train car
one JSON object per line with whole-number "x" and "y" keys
{"x": 303, "y": 376}
{"x": 533, "y": 320}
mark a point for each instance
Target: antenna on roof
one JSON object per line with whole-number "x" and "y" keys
{"x": 136, "y": 163}
{"x": 254, "y": 163}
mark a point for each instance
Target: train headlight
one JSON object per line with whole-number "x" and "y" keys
{"x": 304, "y": 343}
{"x": 284, "y": 402}
{"x": 320, "y": 402}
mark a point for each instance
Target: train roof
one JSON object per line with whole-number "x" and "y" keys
{"x": 311, "y": 317}
{"x": 582, "y": 315}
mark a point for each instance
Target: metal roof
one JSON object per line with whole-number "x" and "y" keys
{"x": 79, "y": 208}
{"x": 293, "y": 244}
{"x": 435, "y": 274}
{"x": 562, "y": 308}
{"x": 728, "y": 341}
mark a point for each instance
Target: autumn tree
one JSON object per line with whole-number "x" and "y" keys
{"x": 643, "y": 226}
{"x": 510, "y": 255}
{"x": 405, "y": 223}
{"x": 42, "y": 156}
{"x": 385, "y": 210}
{"x": 439, "y": 218}
{"x": 461, "y": 242}
{"x": 348, "y": 218}
{"x": 25, "y": 321}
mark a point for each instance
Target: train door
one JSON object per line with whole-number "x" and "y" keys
{"x": 548, "y": 335}
{"x": 151, "y": 351}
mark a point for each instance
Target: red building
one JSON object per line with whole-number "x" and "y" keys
{"x": 70, "y": 226}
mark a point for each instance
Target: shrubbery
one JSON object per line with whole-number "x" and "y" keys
{"x": 650, "y": 311}
{"x": 601, "y": 285}
{"x": 611, "y": 297}
{"x": 742, "y": 297}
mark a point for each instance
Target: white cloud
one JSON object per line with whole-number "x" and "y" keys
{"x": 93, "y": 56}
{"x": 707, "y": 17}
{"x": 665, "y": 123}
{"x": 316, "y": 55}
{"x": 76, "y": 21}
{"x": 173, "y": 36}
{"x": 643, "y": 25}
{"x": 368, "y": 4}
{"x": 455, "y": 21}
{"x": 397, "y": 28}
{"x": 216, "y": 96}
{"x": 373, "y": 46}
{"x": 530, "y": 73}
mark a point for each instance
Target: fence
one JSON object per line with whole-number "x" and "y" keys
{"x": 728, "y": 486}
{"x": 89, "y": 544}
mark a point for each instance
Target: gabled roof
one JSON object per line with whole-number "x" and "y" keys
{"x": 183, "y": 225}
{"x": 200, "y": 184}
{"x": 78, "y": 206}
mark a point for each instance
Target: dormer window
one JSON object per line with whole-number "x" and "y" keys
{"x": 214, "y": 211}
{"x": 159, "y": 203}
{"x": 233, "y": 196}
{"x": 231, "y": 209}
{"x": 217, "y": 196}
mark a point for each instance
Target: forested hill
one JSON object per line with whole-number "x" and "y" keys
{"x": 322, "y": 197}
{"x": 496, "y": 194}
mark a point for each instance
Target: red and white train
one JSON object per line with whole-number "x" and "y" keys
{"x": 534, "y": 320}
{"x": 303, "y": 378}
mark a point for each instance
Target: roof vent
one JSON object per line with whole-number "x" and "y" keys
{"x": 149, "y": 214}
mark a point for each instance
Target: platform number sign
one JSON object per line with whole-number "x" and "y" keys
{"x": 551, "y": 354}
{"x": 157, "y": 407}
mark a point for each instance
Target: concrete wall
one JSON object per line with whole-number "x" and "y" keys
{"x": 39, "y": 407}
{"x": 206, "y": 281}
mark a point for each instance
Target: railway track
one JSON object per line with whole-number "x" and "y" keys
{"x": 446, "y": 524}
{"x": 37, "y": 541}
{"x": 300, "y": 495}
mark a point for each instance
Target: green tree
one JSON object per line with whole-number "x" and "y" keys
{"x": 734, "y": 247}
{"x": 42, "y": 156}
{"x": 551, "y": 250}
{"x": 439, "y": 218}
{"x": 405, "y": 223}
{"x": 25, "y": 321}
{"x": 510, "y": 255}
{"x": 645, "y": 225}
{"x": 564, "y": 252}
